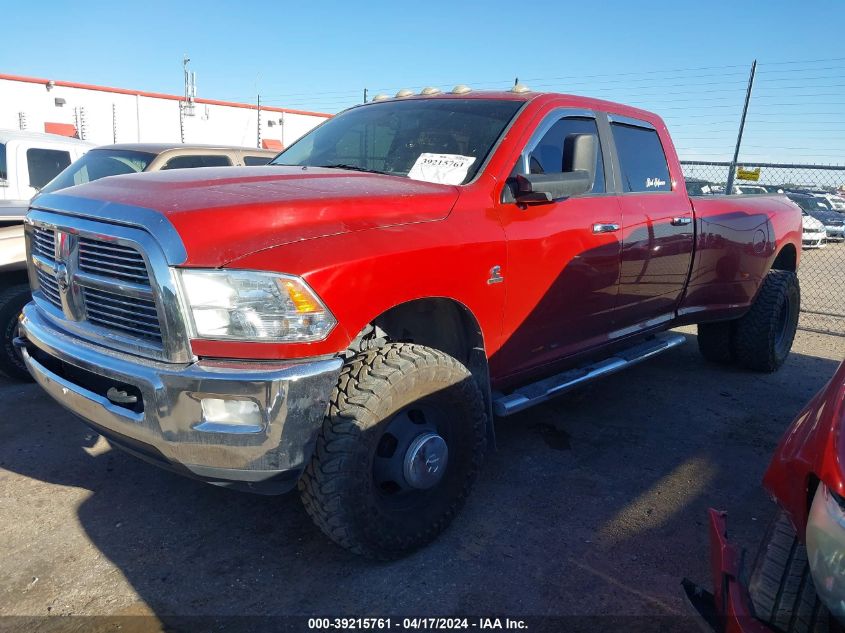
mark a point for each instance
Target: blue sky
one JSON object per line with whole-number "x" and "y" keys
{"x": 688, "y": 61}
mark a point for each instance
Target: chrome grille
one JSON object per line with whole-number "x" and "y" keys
{"x": 99, "y": 282}
{"x": 119, "y": 312}
{"x": 44, "y": 242}
{"x": 49, "y": 288}
{"x": 113, "y": 260}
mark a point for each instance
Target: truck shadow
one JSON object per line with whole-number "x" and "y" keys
{"x": 587, "y": 497}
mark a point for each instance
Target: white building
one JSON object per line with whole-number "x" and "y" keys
{"x": 106, "y": 115}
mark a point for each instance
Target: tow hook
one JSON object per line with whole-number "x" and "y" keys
{"x": 120, "y": 396}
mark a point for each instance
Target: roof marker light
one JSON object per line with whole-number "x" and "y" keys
{"x": 430, "y": 90}
{"x": 520, "y": 88}
{"x": 461, "y": 89}
{"x": 380, "y": 97}
{"x": 404, "y": 93}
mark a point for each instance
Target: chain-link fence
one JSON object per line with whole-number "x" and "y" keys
{"x": 815, "y": 188}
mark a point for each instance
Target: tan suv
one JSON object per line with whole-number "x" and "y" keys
{"x": 130, "y": 158}
{"x": 109, "y": 160}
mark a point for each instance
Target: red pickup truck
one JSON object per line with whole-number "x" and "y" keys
{"x": 350, "y": 319}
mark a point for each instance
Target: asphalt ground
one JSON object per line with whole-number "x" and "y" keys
{"x": 593, "y": 505}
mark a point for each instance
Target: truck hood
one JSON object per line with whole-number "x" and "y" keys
{"x": 224, "y": 213}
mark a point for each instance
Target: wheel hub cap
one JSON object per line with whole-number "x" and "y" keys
{"x": 425, "y": 461}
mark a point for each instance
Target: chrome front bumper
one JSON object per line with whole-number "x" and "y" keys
{"x": 163, "y": 426}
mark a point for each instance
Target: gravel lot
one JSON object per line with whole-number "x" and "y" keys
{"x": 592, "y": 505}
{"x": 823, "y": 287}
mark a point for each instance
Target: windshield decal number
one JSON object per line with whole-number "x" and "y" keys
{"x": 444, "y": 169}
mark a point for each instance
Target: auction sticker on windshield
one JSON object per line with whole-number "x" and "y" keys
{"x": 444, "y": 169}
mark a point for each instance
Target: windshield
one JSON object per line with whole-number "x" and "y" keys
{"x": 437, "y": 140}
{"x": 808, "y": 203}
{"x": 99, "y": 163}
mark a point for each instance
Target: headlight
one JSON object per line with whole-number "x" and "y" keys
{"x": 254, "y": 306}
{"x": 835, "y": 505}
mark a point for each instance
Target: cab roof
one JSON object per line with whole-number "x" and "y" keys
{"x": 576, "y": 101}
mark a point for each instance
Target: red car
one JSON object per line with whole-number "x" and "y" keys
{"x": 349, "y": 319}
{"x": 798, "y": 581}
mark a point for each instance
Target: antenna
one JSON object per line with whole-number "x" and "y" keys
{"x": 190, "y": 87}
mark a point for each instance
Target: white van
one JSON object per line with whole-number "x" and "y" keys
{"x": 28, "y": 161}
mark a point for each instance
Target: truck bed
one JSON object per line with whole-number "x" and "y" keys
{"x": 736, "y": 237}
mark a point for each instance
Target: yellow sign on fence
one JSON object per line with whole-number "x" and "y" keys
{"x": 748, "y": 174}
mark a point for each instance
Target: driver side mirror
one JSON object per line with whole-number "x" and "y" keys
{"x": 576, "y": 176}
{"x": 540, "y": 188}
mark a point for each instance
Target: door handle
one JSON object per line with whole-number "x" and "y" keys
{"x": 683, "y": 220}
{"x": 601, "y": 227}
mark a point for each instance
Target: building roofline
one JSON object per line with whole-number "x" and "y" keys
{"x": 156, "y": 95}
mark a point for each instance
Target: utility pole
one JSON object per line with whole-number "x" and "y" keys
{"x": 365, "y": 95}
{"x": 729, "y": 185}
{"x": 138, "y": 117}
{"x": 190, "y": 86}
{"x": 258, "y": 133}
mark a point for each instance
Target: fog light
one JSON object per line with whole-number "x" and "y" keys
{"x": 230, "y": 416}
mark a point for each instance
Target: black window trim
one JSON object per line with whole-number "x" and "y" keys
{"x": 266, "y": 159}
{"x": 549, "y": 121}
{"x": 210, "y": 153}
{"x": 617, "y": 165}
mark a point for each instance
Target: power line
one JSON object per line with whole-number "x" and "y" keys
{"x": 708, "y": 92}
{"x": 609, "y": 78}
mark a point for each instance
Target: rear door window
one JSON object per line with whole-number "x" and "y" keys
{"x": 642, "y": 160}
{"x": 45, "y": 164}
{"x": 189, "y": 162}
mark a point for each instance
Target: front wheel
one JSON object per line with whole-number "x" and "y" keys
{"x": 12, "y": 301}
{"x": 399, "y": 450}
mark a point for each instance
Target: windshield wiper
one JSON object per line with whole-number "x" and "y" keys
{"x": 355, "y": 168}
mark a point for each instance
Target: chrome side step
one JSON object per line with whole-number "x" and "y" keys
{"x": 548, "y": 388}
